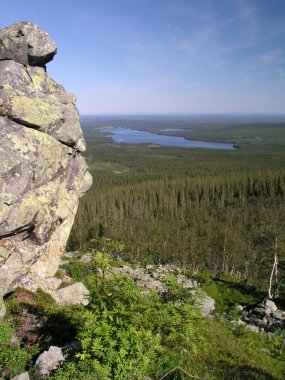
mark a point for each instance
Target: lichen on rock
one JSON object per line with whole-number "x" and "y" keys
{"x": 42, "y": 174}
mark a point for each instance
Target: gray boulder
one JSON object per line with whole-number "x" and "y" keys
{"x": 206, "y": 304}
{"x": 49, "y": 360}
{"x": 72, "y": 294}
{"x": 42, "y": 173}
{"x": 186, "y": 282}
{"x": 253, "y": 328}
{"x": 27, "y": 44}
{"x": 269, "y": 306}
{"x": 265, "y": 316}
{"x": 22, "y": 376}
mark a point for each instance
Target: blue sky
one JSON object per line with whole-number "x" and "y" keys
{"x": 164, "y": 56}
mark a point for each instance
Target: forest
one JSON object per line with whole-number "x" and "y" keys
{"x": 218, "y": 216}
{"x": 201, "y": 209}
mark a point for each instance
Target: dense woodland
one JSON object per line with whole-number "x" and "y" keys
{"x": 219, "y": 215}
{"x": 207, "y": 210}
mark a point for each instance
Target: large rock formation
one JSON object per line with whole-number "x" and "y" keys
{"x": 42, "y": 174}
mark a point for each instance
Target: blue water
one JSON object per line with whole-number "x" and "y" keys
{"x": 132, "y": 136}
{"x": 175, "y": 129}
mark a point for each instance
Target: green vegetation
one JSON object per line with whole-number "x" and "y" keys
{"x": 125, "y": 334}
{"x": 13, "y": 358}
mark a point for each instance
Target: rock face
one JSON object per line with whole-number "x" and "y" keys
{"x": 42, "y": 174}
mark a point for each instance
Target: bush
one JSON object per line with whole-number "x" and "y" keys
{"x": 13, "y": 359}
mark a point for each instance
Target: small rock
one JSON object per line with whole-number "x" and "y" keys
{"x": 2, "y": 308}
{"x": 49, "y": 360}
{"x": 70, "y": 254}
{"x": 269, "y": 305}
{"x": 185, "y": 282}
{"x": 28, "y": 284}
{"x": 52, "y": 283}
{"x": 253, "y": 328}
{"x": 86, "y": 258}
{"x": 206, "y": 305}
{"x": 62, "y": 274}
{"x": 73, "y": 294}
{"x": 22, "y": 376}
{"x": 152, "y": 284}
{"x": 278, "y": 314}
{"x": 239, "y": 308}
{"x": 260, "y": 311}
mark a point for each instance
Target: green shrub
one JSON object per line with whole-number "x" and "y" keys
{"x": 124, "y": 332}
{"x": 13, "y": 359}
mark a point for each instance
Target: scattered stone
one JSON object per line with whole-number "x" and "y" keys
{"x": 186, "y": 282}
{"x": 49, "y": 360}
{"x": 265, "y": 316}
{"x": 206, "y": 304}
{"x": 141, "y": 277}
{"x": 70, "y": 254}
{"x": 62, "y": 274}
{"x": 153, "y": 276}
{"x": 73, "y": 294}
{"x": 85, "y": 259}
{"x": 268, "y": 304}
{"x": 252, "y": 328}
{"x": 152, "y": 284}
{"x": 29, "y": 284}
{"x": 239, "y": 307}
{"x": 278, "y": 314}
{"x": 15, "y": 340}
{"x": 52, "y": 283}
{"x": 22, "y": 376}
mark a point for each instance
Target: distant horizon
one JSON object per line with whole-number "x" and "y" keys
{"x": 181, "y": 113}
{"x": 233, "y": 117}
{"x": 165, "y": 56}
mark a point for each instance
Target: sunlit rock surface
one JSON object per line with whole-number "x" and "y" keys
{"x": 42, "y": 174}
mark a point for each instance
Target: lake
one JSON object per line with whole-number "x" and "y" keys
{"x": 132, "y": 136}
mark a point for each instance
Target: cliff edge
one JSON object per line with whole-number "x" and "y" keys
{"x": 42, "y": 173}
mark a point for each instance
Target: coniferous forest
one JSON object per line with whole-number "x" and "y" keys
{"x": 217, "y": 215}
{"x": 201, "y": 209}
